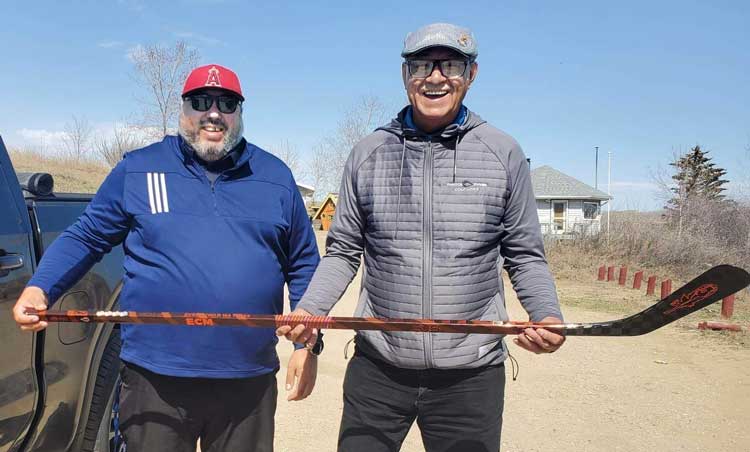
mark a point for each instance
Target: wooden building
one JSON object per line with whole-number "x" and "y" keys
{"x": 325, "y": 213}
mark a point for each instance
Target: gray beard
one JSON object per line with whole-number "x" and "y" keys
{"x": 210, "y": 152}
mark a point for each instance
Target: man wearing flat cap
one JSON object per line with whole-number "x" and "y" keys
{"x": 209, "y": 223}
{"x": 439, "y": 202}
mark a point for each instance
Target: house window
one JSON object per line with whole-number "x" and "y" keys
{"x": 590, "y": 210}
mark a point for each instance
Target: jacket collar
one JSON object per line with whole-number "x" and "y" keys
{"x": 463, "y": 112}
{"x": 240, "y": 155}
{"x": 402, "y": 126}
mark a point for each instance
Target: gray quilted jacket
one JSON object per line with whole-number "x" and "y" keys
{"x": 437, "y": 218}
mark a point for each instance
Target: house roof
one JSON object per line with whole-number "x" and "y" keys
{"x": 550, "y": 183}
{"x": 334, "y": 197}
{"x": 305, "y": 190}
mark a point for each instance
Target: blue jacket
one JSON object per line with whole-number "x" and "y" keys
{"x": 193, "y": 246}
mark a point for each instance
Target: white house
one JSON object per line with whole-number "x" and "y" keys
{"x": 307, "y": 192}
{"x": 566, "y": 206}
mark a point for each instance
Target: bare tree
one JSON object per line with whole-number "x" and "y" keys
{"x": 76, "y": 137}
{"x": 744, "y": 195}
{"x": 329, "y": 156}
{"x": 162, "y": 70}
{"x": 661, "y": 176}
{"x": 124, "y": 139}
{"x": 320, "y": 172}
{"x": 287, "y": 152}
{"x": 359, "y": 121}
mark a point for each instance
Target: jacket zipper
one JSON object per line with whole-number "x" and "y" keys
{"x": 213, "y": 193}
{"x": 427, "y": 251}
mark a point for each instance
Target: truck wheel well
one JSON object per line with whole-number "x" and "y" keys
{"x": 96, "y": 433}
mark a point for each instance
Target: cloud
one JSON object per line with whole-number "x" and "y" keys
{"x": 51, "y": 142}
{"x": 109, "y": 44}
{"x": 42, "y": 137}
{"x": 45, "y": 141}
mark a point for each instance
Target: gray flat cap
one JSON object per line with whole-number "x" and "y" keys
{"x": 441, "y": 35}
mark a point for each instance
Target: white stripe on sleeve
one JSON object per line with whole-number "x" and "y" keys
{"x": 150, "y": 192}
{"x": 164, "y": 193}
{"x": 157, "y": 195}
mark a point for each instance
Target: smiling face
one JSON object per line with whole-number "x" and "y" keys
{"x": 436, "y": 99}
{"x": 211, "y": 134}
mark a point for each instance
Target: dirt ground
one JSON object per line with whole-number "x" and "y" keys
{"x": 671, "y": 390}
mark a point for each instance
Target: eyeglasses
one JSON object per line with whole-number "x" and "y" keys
{"x": 449, "y": 68}
{"x": 203, "y": 102}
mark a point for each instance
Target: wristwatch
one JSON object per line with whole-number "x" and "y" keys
{"x": 317, "y": 349}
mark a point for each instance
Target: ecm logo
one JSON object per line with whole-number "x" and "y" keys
{"x": 197, "y": 321}
{"x": 466, "y": 185}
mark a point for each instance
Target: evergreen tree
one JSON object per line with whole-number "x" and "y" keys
{"x": 698, "y": 181}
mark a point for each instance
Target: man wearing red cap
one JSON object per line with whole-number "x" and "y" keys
{"x": 209, "y": 223}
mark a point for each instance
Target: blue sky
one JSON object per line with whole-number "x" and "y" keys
{"x": 640, "y": 79}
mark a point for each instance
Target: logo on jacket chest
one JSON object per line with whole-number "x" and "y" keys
{"x": 466, "y": 185}
{"x": 158, "y": 198}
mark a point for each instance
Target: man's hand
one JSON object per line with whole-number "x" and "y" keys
{"x": 303, "y": 366}
{"x": 540, "y": 340}
{"x": 31, "y": 297}
{"x": 299, "y": 333}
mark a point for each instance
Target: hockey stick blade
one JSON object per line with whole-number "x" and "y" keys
{"x": 713, "y": 285}
{"x": 708, "y": 288}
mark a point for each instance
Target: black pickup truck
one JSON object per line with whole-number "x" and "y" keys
{"x": 56, "y": 386}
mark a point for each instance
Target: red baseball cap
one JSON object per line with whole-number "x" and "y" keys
{"x": 213, "y": 76}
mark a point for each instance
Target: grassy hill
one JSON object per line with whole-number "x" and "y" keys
{"x": 70, "y": 176}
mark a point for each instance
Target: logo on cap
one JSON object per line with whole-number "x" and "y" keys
{"x": 213, "y": 77}
{"x": 464, "y": 40}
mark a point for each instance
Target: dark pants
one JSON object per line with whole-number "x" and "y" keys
{"x": 163, "y": 413}
{"x": 456, "y": 410}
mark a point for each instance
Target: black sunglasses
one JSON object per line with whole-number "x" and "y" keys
{"x": 203, "y": 102}
{"x": 452, "y": 68}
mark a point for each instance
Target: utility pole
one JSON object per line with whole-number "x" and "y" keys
{"x": 596, "y": 169}
{"x": 609, "y": 190}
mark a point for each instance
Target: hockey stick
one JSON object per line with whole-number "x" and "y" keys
{"x": 711, "y": 286}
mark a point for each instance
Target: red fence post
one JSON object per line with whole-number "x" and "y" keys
{"x": 637, "y": 279}
{"x": 719, "y": 326}
{"x": 623, "y": 276}
{"x": 651, "y": 285}
{"x": 602, "y": 273}
{"x": 666, "y": 288}
{"x": 611, "y": 273}
{"x": 727, "y": 306}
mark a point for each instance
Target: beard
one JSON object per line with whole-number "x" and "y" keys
{"x": 209, "y": 151}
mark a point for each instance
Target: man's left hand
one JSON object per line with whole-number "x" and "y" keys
{"x": 301, "y": 373}
{"x": 539, "y": 340}
{"x": 299, "y": 334}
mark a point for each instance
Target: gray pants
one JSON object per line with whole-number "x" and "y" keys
{"x": 163, "y": 413}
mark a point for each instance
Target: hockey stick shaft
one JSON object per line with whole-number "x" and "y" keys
{"x": 711, "y": 286}
{"x": 275, "y": 321}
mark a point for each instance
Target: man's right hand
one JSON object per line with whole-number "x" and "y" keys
{"x": 31, "y": 297}
{"x": 299, "y": 333}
